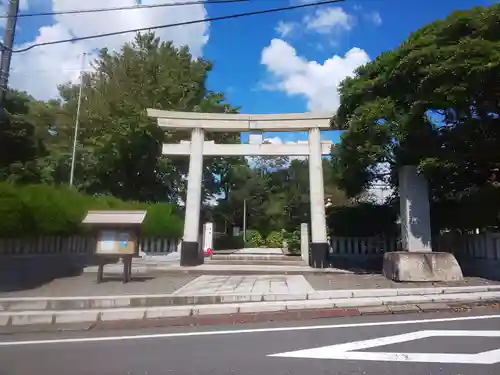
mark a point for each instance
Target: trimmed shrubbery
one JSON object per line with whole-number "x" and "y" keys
{"x": 228, "y": 242}
{"x": 274, "y": 239}
{"x": 254, "y": 239}
{"x": 44, "y": 210}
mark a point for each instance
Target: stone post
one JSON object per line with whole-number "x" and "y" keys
{"x": 319, "y": 245}
{"x": 304, "y": 242}
{"x": 190, "y": 242}
{"x": 414, "y": 210}
{"x": 417, "y": 261}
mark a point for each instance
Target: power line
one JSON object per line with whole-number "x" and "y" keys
{"x": 220, "y": 18}
{"x": 128, "y": 7}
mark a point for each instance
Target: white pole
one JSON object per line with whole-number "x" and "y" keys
{"x": 77, "y": 119}
{"x": 244, "y": 220}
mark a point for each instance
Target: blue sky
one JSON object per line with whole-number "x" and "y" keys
{"x": 258, "y": 68}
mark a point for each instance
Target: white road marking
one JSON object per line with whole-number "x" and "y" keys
{"x": 241, "y": 331}
{"x": 348, "y": 351}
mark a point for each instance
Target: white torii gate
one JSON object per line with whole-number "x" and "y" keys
{"x": 197, "y": 147}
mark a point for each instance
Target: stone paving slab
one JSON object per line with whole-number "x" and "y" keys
{"x": 246, "y": 284}
{"x": 378, "y": 281}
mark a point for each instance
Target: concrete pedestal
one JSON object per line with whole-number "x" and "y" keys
{"x": 421, "y": 266}
{"x": 190, "y": 254}
{"x": 319, "y": 255}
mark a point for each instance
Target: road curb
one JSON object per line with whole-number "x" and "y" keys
{"x": 392, "y": 304}
{"x": 130, "y": 301}
{"x": 234, "y": 319}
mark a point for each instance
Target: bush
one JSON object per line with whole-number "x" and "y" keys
{"x": 12, "y": 211}
{"x": 254, "y": 239}
{"x": 227, "y": 242}
{"x": 52, "y": 211}
{"x": 363, "y": 220}
{"x": 275, "y": 239}
{"x": 162, "y": 221}
{"x": 293, "y": 241}
{"x": 45, "y": 210}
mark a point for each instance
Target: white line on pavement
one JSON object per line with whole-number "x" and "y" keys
{"x": 240, "y": 331}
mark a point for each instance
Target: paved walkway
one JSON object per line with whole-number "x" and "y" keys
{"x": 182, "y": 284}
{"x": 259, "y": 284}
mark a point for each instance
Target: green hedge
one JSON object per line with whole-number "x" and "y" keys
{"x": 292, "y": 240}
{"x": 254, "y": 239}
{"x": 228, "y": 242}
{"x": 363, "y": 220}
{"x": 44, "y": 210}
{"x": 274, "y": 239}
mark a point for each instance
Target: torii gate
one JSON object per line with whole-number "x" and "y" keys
{"x": 197, "y": 147}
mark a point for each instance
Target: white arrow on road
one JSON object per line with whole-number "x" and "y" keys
{"x": 348, "y": 351}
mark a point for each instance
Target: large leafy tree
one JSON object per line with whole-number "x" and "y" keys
{"x": 433, "y": 102}
{"x": 119, "y": 150}
{"x": 275, "y": 199}
{"x": 21, "y": 140}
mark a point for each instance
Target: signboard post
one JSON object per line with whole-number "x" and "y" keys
{"x": 117, "y": 237}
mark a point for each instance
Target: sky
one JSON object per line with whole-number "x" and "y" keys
{"x": 282, "y": 62}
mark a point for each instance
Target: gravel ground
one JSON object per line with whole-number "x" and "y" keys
{"x": 376, "y": 281}
{"x": 85, "y": 285}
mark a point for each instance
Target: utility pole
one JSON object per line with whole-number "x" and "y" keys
{"x": 8, "y": 43}
{"x": 77, "y": 121}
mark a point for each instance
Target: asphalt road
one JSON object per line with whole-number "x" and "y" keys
{"x": 423, "y": 344}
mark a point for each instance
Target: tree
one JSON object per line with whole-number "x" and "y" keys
{"x": 432, "y": 102}
{"x": 119, "y": 150}
{"x": 21, "y": 142}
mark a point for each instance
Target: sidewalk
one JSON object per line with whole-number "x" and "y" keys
{"x": 154, "y": 283}
{"x": 159, "y": 299}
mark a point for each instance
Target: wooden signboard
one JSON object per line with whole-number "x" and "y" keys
{"x": 116, "y": 242}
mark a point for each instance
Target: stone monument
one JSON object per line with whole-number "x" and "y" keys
{"x": 417, "y": 261}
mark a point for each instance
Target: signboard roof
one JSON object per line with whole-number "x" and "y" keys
{"x": 115, "y": 217}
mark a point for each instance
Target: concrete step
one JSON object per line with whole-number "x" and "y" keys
{"x": 273, "y": 257}
{"x": 132, "y": 301}
{"x": 284, "y": 263}
{"x": 387, "y": 304}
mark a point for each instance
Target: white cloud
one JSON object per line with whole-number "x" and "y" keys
{"x": 375, "y": 18}
{"x": 317, "y": 82}
{"x": 284, "y": 28}
{"x": 40, "y": 70}
{"x": 327, "y": 20}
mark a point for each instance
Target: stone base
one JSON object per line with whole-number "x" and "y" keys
{"x": 421, "y": 266}
{"x": 318, "y": 258}
{"x": 190, "y": 254}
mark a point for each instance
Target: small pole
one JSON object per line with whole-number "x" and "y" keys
{"x": 77, "y": 119}
{"x": 244, "y": 220}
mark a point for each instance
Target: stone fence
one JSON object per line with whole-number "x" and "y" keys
{"x": 478, "y": 254}
{"x": 75, "y": 245}
{"x": 27, "y": 262}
